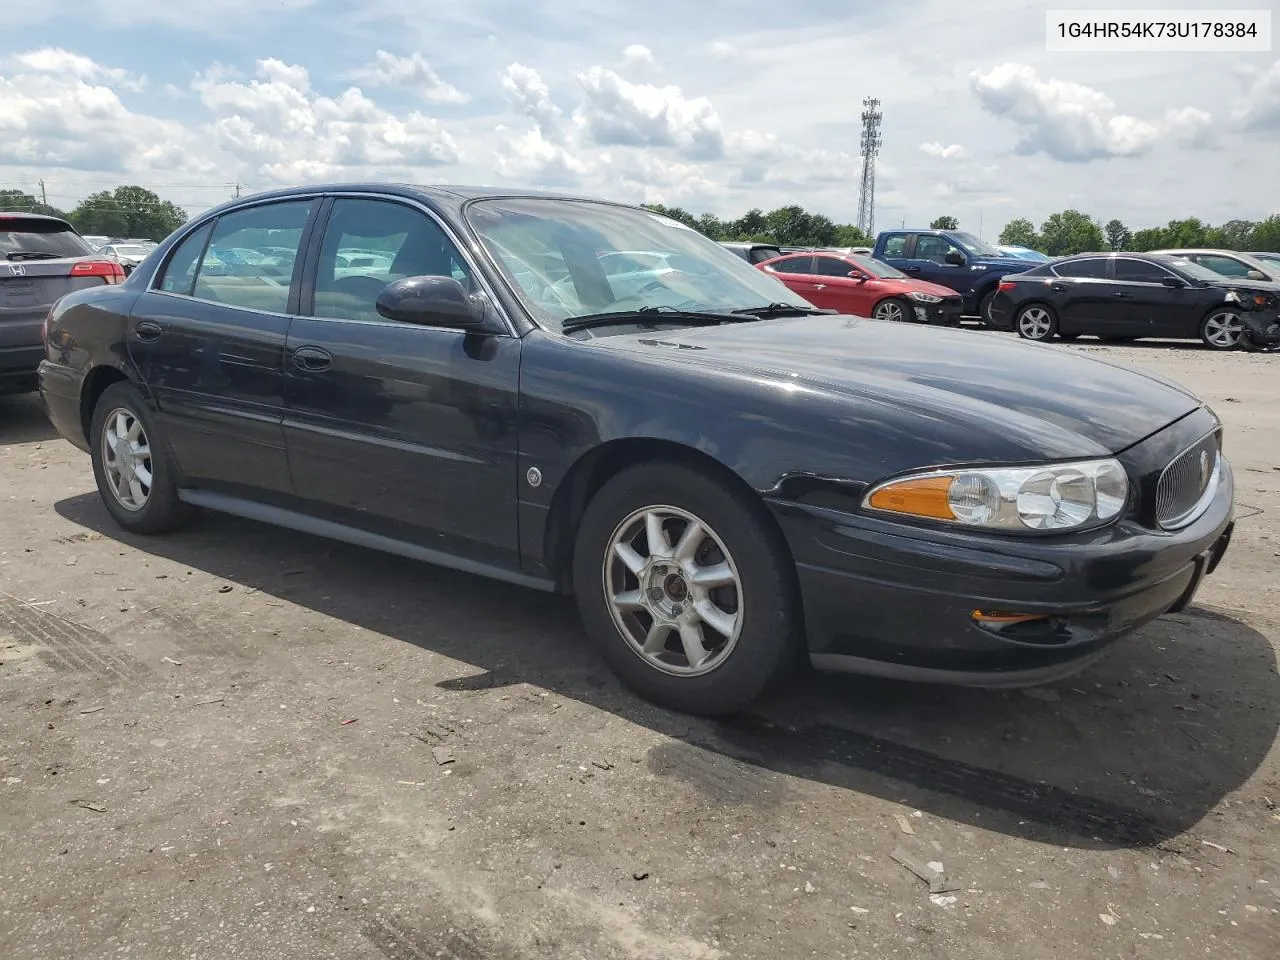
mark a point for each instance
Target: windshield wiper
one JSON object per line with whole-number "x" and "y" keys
{"x": 781, "y": 310}
{"x": 650, "y": 314}
{"x": 31, "y": 255}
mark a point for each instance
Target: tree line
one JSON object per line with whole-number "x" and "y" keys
{"x": 1074, "y": 232}
{"x": 126, "y": 211}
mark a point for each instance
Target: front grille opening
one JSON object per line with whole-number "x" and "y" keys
{"x": 1188, "y": 483}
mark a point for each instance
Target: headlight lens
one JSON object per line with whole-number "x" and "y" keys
{"x": 1061, "y": 496}
{"x": 924, "y": 297}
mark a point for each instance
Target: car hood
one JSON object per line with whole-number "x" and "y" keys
{"x": 1008, "y": 400}
{"x": 1002, "y": 263}
{"x": 906, "y": 285}
{"x": 1243, "y": 283}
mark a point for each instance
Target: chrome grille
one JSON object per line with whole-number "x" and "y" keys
{"x": 1188, "y": 483}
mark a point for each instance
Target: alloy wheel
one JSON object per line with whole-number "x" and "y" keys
{"x": 1223, "y": 330}
{"x": 889, "y": 310}
{"x": 673, "y": 591}
{"x": 1034, "y": 323}
{"x": 126, "y": 458}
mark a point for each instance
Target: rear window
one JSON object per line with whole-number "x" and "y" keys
{"x": 27, "y": 238}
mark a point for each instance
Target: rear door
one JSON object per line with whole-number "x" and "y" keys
{"x": 40, "y": 261}
{"x": 896, "y": 250}
{"x": 209, "y": 339}
{"x": 402, "y": 430}
{"x": 1084, "y": 296}
{"x": 797, "y": 273}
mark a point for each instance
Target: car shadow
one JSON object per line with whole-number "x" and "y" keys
{"x": 1132, "y": 753}
{"x": 23, "y": 420}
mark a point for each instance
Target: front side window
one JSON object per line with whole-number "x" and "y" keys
{"x": 370, "y": 243}
{"x": 1139, "y": 271}
{"x": 832, "y": 267}
{"x": 878, "y": 268}
{"x": 251, "y": 255}
{"x": 935, "y": 248}
{"x": 549, "y": 252}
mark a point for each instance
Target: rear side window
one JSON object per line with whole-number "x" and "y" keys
{"x": 895, "y": 246}
{"x": 31, "y": 238}
{"x": 180, "y": 272}
{"x": 1095, "y": 269}
{"x": 251, "y": 255}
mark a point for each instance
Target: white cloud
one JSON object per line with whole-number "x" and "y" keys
{"x": 288, "y": 132}
{"x": 412, "y": 72}
{"x": 617, "y": 112}
{"x": 638, "y": 55}
{"x": 532, "y": 157}
{"x": 942, "y": 152}
{"x": 1261, "y": 107}
{"x": 530, "y": 95}
{"x": 654, "y": 180}
{"x": 57, "y": 61}
{"x": 1075, "y": 123}
{"x": 723, "y": 49}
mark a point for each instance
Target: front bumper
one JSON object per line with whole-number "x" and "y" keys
{"x": 897, "y": 601}
{"x": 944, "y": 314}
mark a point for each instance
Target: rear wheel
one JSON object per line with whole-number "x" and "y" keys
{"x": 1222, "y": 329}
{"x": 1036, "y": 322}
{"x": 895, "y": 309}
{"x": 684, "y": 588}
{"x": 131, "y": 463}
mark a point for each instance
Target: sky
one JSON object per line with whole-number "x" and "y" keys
{"x": 710, "y": 105}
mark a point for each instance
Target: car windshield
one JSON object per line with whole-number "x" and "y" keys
{"x": 23, "y": 237}
{"x": 878, "y": 269}
{"x": 1190, "y": 269}
{"x": 561, "y": 259}
{"x": 976, "y": 246}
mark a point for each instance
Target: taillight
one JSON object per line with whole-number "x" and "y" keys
{"x": 1005, "y": 286}
{"x": 44, "y": 328}
{"x": 108, "y": 270}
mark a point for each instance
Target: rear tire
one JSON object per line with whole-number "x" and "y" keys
{"x": 1222, "y": 329}
{"x": 1037, "y": 322}
{"x": 136, "y": 476}
{"x": 702, "y": 625}
{"x": 895, "y": 309}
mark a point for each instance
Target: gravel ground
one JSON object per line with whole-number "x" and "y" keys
{"x": 240, "y": 743}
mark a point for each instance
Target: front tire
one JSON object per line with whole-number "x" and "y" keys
{"x": 1222, "y": 329}
{"x": 685, "y": 589}
{"x": 136, "y": 476}
{"x": 984, "y": 309}
{"x": 895, "y": 309}
{"x": 1037, "y": 322}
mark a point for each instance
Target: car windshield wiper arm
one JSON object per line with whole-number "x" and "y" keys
{"x": 780, "y": 310}
{"x": 31, "y": 255}
{"x": 648, "y": 314}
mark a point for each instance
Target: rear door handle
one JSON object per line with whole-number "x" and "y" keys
{"x": 312, "y": 359}
{"x": 1059, "y": 287}
{"x": 147, "y": 331}
{"x": 1123, "y": 296}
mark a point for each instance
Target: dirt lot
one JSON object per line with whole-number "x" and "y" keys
{"x": 240, "y": 743}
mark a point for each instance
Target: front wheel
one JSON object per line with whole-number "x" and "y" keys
{"x": 1223, "y": 329}
{"x": 1036, "y": 322}
{"x": 984, "y": 309}
{"x": 136, "y": 477}
{"x": 896, "y": 310}
{"x": 685, "y": 590}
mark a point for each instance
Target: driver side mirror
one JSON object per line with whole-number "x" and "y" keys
{"x": 431, "y": 302}
{"x": 860, "y": 277}
{"x": 1256, "y": 275}
{"x": 954, "y": 258}
{"x": 1173, "y": 282}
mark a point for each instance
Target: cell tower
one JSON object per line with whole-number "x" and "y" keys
{"x": 871, "y": 140}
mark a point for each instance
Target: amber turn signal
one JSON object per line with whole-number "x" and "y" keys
{"x": 1000, "y": 617}
{"x": 920, "y": 497}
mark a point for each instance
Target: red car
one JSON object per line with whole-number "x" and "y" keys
{"x": 864, "y": 287}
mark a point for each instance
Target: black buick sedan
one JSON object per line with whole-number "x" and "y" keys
{"x": 726, "y": 478}
{"x": 1122, "y": 297}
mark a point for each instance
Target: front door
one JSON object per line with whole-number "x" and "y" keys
{"x": 930, "y": 262}
{"x": 838, "y": 290}
{"x": 402, "y": 430}
{"x": 208, "y": 339}
{"x": 1143, "y": 305}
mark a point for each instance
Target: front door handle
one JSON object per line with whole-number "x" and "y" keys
{"x": 148, "y": 331}
{"x": 1123, "y": 296}
{"x": 1059, "y": 287}
{"x": 910, "y": 269}
{"x": 312, "y": 359}
{"x": 819, "y": 286}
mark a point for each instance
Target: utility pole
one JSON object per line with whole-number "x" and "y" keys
{"x": 44, "y": 197}
{"x": 870, "y": 144}
{"x": 237, "y": 190}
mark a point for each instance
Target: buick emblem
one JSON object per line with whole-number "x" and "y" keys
{"x": 17, "y": 270}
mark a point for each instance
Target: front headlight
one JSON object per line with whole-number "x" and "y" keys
{"x": 924, "y": 297}
{"x": 1060, "y": 496}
